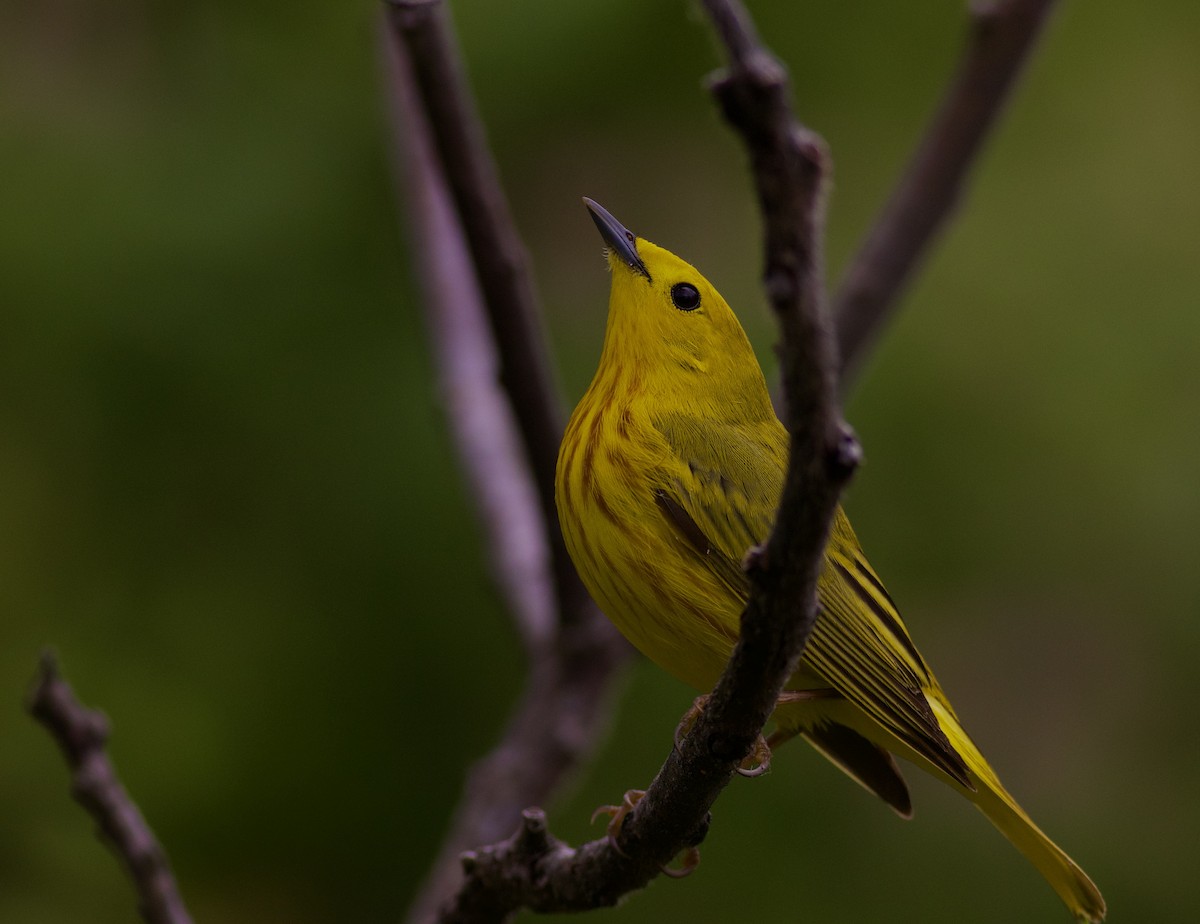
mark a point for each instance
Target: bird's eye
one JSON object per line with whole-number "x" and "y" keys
{"x": 685, "y": 296}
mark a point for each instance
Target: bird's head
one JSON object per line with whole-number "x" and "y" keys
{"x": 666, "y": 320}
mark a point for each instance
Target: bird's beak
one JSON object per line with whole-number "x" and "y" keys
{"x": 620, "y": 240}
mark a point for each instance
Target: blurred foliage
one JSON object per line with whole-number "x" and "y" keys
{"x": 229, "y": 501}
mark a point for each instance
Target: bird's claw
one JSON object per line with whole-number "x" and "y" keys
{"x": 691, "y": 856}
{"x": 684, "y": 728}
{"x": 691, "y": 859}
{"x": 618, "y": 812}
{"x": 761, "y": 757}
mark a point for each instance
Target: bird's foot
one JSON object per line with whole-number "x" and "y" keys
{"x": 687, "y": 866}
{"x": 618, "y": 812}
{"x": 684, "y": 728}
{"x": 758, "y": 761}
{"x": 789, "y": 697}
{"x": 691, "y": 856}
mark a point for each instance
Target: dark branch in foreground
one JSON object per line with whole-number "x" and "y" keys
{"x": 532, "y": 869}
{"x": 81, "y": 733}
{"x": 1002, "y": 34}
{"x": 572, "y": 663}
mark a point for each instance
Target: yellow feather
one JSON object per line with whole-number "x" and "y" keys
{"x": 670, "y": 470}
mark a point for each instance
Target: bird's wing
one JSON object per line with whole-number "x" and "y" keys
{"x": 864, "y": 650}
{"x": 721, "y": 493}
{"x": 721, "y": 500}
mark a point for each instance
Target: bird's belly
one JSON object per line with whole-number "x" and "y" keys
{"x": 674, "y": 633}
{"x": 680, "y": 617}
{"x": 689, "y": 635}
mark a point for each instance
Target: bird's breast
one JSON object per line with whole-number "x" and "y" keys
{"x": 633, "y": 563}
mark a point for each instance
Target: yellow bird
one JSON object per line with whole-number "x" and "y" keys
{"x": 670, "y": 470}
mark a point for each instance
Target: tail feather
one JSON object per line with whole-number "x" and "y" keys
{"x": 866, "y": 763}
{"x": 990, "y": 797}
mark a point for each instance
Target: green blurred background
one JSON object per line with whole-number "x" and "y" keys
{"x": 228, "y": 499}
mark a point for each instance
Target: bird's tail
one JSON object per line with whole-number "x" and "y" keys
{"x": 1064, "y": 875}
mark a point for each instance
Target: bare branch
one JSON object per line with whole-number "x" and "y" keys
{"x": 82, "y": 733}
{"x": 480, "y": 415}
{"x": 499, "y": 257}
{"x": 532, "y": 869}
{"x": 560, "y": 716}
{"x": 1002, "y": 34}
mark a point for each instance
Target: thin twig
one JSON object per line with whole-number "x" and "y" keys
{"x": 82, "y": 733}
{"x": 534, "y": 870}
{"x": 558, "y": 720}
{"x": 1002, "y": 34}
